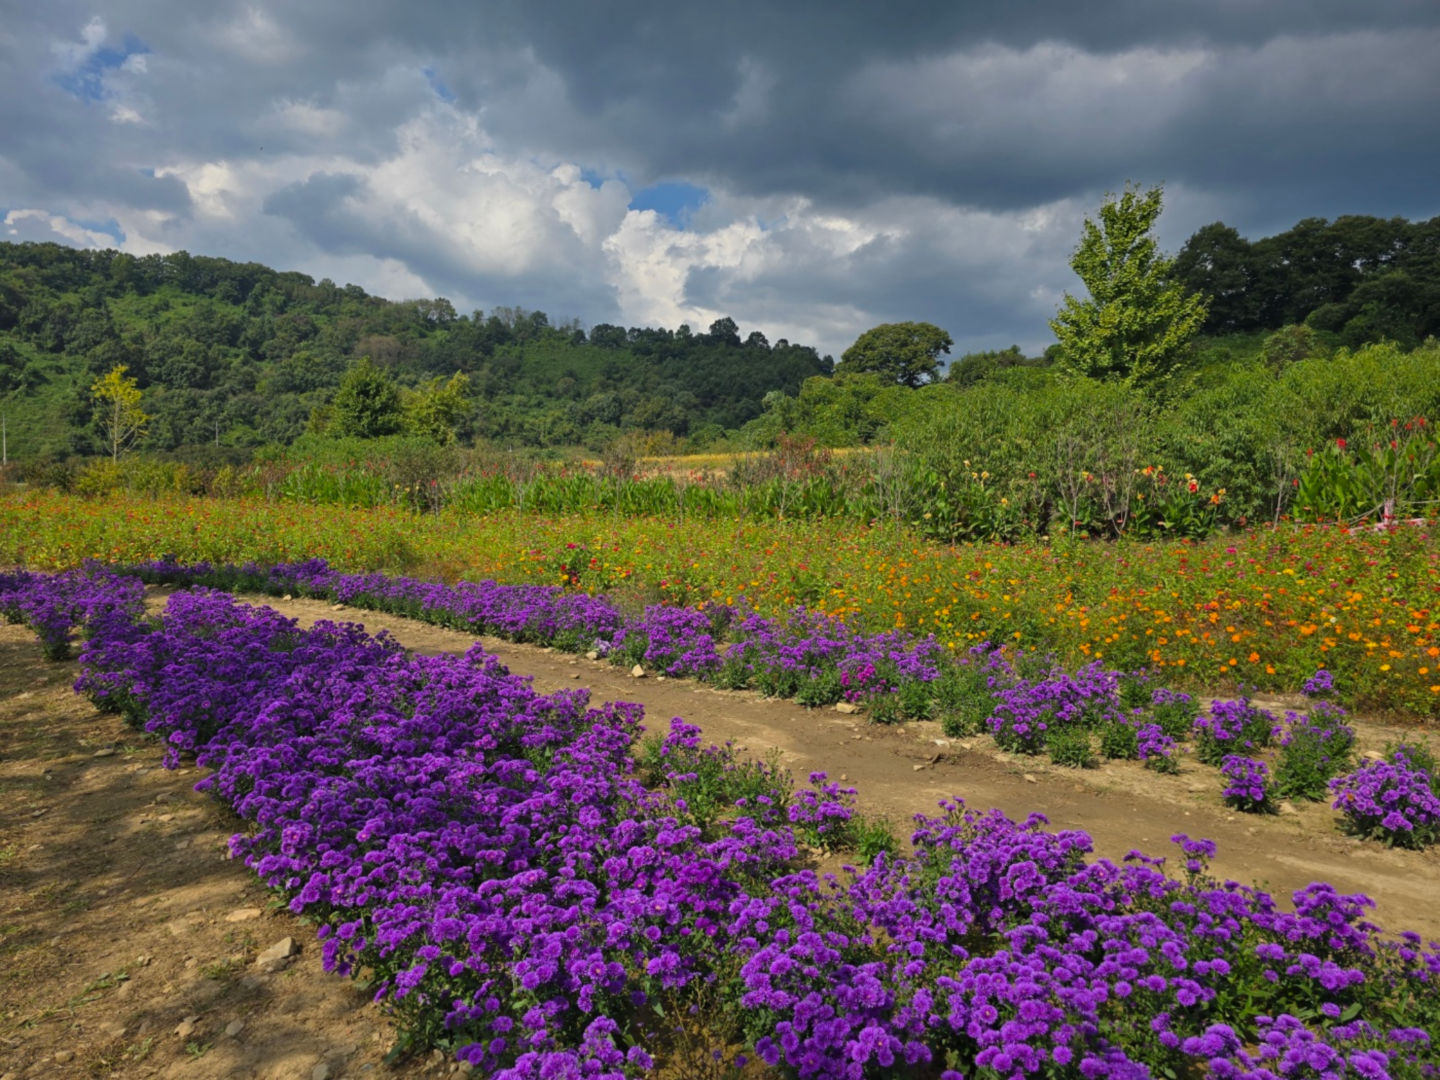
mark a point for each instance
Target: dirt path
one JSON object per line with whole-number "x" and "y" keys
{"x": 130, "y": 945}
{"x": 904, "y": 771}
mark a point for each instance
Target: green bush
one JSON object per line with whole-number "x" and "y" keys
{"x": 1070, "y": 745}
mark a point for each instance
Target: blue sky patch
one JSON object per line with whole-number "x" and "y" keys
{"x": 676, "y": 201}
{"x": 437, "y": 84}
{"x": 87, "y": 82}
{"x": 110, "y": 227}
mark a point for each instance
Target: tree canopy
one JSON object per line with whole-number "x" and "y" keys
{"x": 1138, "y": 321}
{"x": 1362, "y": 278}
{"x": 367, "y": 405}
{"x": 907, "y": 353}
{"x": 121, "y": 418}
{"x": 238, "y": 354}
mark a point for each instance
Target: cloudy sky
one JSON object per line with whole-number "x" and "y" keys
{"x": 809, "y": 168}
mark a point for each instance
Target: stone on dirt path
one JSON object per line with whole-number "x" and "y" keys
{"x": 277, "y": 956}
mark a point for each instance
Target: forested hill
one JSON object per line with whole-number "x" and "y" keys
{"x": 1361, "y": 278}
{"x": 240, "y": 354}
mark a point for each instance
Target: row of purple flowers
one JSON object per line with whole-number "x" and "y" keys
{"x": 492, "y": 859}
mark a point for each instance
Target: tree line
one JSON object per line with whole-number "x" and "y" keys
{"x": 239, "y": 355}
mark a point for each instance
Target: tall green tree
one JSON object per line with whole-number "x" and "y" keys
{"x": 436, "y": 409}
{"x": 367, "y": 405}
{"x": 906, "y": 353}
{"x": 1138, "y": 322}
{"x": 117, "y": 399}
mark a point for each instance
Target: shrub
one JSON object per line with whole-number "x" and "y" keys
{"x": 1071, "y": 746}
{"x": 1248, "y": 786}
{"x": 1232, "y": 727}
{"x": 1156, "y": 749}
{"x": 1392, "y": 801}
{"x": 916, "y": 701}
{"x": 964, "y": 695}
{"x": 885, "y": 708}
{"x": 822, "y": 689}
{"x": 1120, "y": 741}
{"x": 1313, "y": 750}
{"x": 1175, "y": 712}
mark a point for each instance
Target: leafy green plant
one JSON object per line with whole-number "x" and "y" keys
{"x": 823, "y": 689}
{"x": 1315, "y": 749}
{"x": 712, "y": 781}
{"x": 1071, "y": 745}
{"x": 885, "y": 708}
{"x": 1119, "y": 741}
{"x": 1174, "y": 712}
{"x": 916, "y": 700}
{"x": 872, "y": 836}
{"x": 963, "y": 699}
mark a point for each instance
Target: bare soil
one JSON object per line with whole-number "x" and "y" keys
{"x": 129, "y": 942}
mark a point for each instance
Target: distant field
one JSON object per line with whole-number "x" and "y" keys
{"x": 1263, "y": 608}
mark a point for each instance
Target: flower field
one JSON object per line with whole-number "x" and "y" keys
{"x": 535, "y": 896}
{"x": 1264, "y": 608}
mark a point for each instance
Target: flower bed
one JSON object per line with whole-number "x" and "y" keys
{"x": 492, "y": 859}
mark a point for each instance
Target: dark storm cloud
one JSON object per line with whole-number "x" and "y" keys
{"x": 864, "y": 99}
{"x": 316, "y": 207}
{"x": 273, "y": 131}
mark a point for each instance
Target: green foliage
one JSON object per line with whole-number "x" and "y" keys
{"x": 1362, "y": 279}
{"x": 823, "y": 689}
{"x": 1377, "y": 477}
{"x": 1162, "y": 763}
{"x": 1138, "y": 322}
{"x": 435, "y": 410}
{"x": 239, "y": 355}
{"x": 885, "y": 708}
{"x": 963, "y": 699}
{"x": 916, "y": 700}
{"x": 1175, "y": 716}
{"x": 1070, "y": 745}
{"x": 1289, "y": 345}
{"x": 870, "y": 836}
{"x": 907, "y": 354}
{"x": 367, "y": 405}
{"x": 979, "y": 366}
{"x": 1119, "y": 741}
{"x": 847, "y": 410}
{"x": 117, "y": 405}
{"x": 1315, "y": 752}
{"x": 712, "y": 780}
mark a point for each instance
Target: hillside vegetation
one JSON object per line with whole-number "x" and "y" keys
{"x": 241, "y": 355}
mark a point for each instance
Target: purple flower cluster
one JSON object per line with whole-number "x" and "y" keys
{"x": 1232, "y": 727}
{"x": 494, "y": 861}
{"x": 1156, "y": 749}
{"x": 1319, "y": 684}
{"x": 1247, "y": 784}
{"x": 1029, "y": 708}
{"x": 721, "y": 643}
{"x": 1395, "y": 801}
{"x": 1287, "y": 1048}
{"x": 57, "y": 606}
{"x": 822, "y": 811}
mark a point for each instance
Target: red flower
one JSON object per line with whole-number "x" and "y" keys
{"x": 1340, "y": 443}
